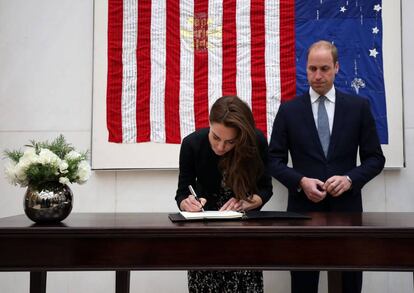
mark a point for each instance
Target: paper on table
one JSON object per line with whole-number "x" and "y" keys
{"x": 212, "y": 215}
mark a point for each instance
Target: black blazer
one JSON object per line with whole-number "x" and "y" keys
{"x": 294, "y": 130}
{"x": 199, "y": 167}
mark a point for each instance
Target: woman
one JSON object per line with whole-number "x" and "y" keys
{"x": 226, "y": 164}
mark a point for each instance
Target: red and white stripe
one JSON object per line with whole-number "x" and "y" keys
{"x": 160, "y": 89}
{"x": 129, "y": 71}
{"x": 187, "y": 125}
{"x": 272, "y": 67}
{"x": 156, "y": 43}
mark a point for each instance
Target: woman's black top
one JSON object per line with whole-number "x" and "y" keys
{"x": 199, "y": 167}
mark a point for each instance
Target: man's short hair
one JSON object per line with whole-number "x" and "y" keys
{"x": 326, "y": 45}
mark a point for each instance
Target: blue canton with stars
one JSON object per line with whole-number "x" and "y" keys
{"x": 355, "y": 27}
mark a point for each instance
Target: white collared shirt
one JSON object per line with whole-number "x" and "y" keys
{"x": 329, "y": 105}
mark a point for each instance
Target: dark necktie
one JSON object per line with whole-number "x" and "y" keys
{"x": 323, "y": 125}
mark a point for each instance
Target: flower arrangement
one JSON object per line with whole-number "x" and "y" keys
{"x": 43, "y": 162}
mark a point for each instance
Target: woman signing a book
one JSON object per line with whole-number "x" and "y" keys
{"x": 227, "y": 166}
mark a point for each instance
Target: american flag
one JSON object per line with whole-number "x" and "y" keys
{"x": 169, "y": 60}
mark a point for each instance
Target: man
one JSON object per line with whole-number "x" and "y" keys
{"x": 323, "y": 130}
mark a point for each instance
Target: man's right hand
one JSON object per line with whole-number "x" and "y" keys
{"x": 190, "y": 204}
{"x": 313, "y": 189}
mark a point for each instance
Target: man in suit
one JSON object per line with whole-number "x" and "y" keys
{"x": 323, "y": 130}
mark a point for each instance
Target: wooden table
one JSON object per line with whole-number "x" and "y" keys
{"x": 150, "y": 241}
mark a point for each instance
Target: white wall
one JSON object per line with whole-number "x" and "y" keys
{"x": 46, "y": 89}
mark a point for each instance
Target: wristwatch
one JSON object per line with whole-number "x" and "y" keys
{"x": 349, "y": 179}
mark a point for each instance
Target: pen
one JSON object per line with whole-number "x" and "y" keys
{"x": 195, "y": 196}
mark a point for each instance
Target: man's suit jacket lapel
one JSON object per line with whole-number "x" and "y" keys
{"x": 341, "y": 110}
{"x": 309, "y": 123}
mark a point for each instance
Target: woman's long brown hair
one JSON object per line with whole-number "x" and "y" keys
{"x": 243, "y": 164}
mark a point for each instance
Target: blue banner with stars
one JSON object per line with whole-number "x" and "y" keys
{"x": 355, "y": 27}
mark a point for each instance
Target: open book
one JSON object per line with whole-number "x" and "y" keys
{"x": 228, "y": 215}
{"x": 211, "y": 215}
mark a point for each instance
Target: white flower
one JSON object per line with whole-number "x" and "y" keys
{"x": 20, "y": 171}
{"x": 46, "y": 157}
{"x": 64, "y": 180}
{"x": 29, "y": 157}
{"x": 84, "y": 172}
{"x": 10, "y": 170}
{"x": 72, "y": 155}
{"x": 63, "y": 166}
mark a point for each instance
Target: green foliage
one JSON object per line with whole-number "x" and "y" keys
{"x": 59, "y": 146}
{"x": 13, "y": 155}
{"x": 39, "y": 174}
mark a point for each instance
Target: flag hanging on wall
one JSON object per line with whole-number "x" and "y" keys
{"x": 169, "y": 60}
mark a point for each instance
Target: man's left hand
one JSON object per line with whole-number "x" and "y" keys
{"x": 336, "y": 185}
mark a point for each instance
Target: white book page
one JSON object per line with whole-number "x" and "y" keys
{"x": 212, "y": 215}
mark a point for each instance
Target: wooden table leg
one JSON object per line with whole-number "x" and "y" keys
{"x": 334, "y": 282}
{"x": 38, "y": 282}
{"x": 122, "y": 281}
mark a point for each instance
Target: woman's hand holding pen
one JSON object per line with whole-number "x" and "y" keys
{"x": 233, "y": 204}
{"x": 191, "y": 204}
